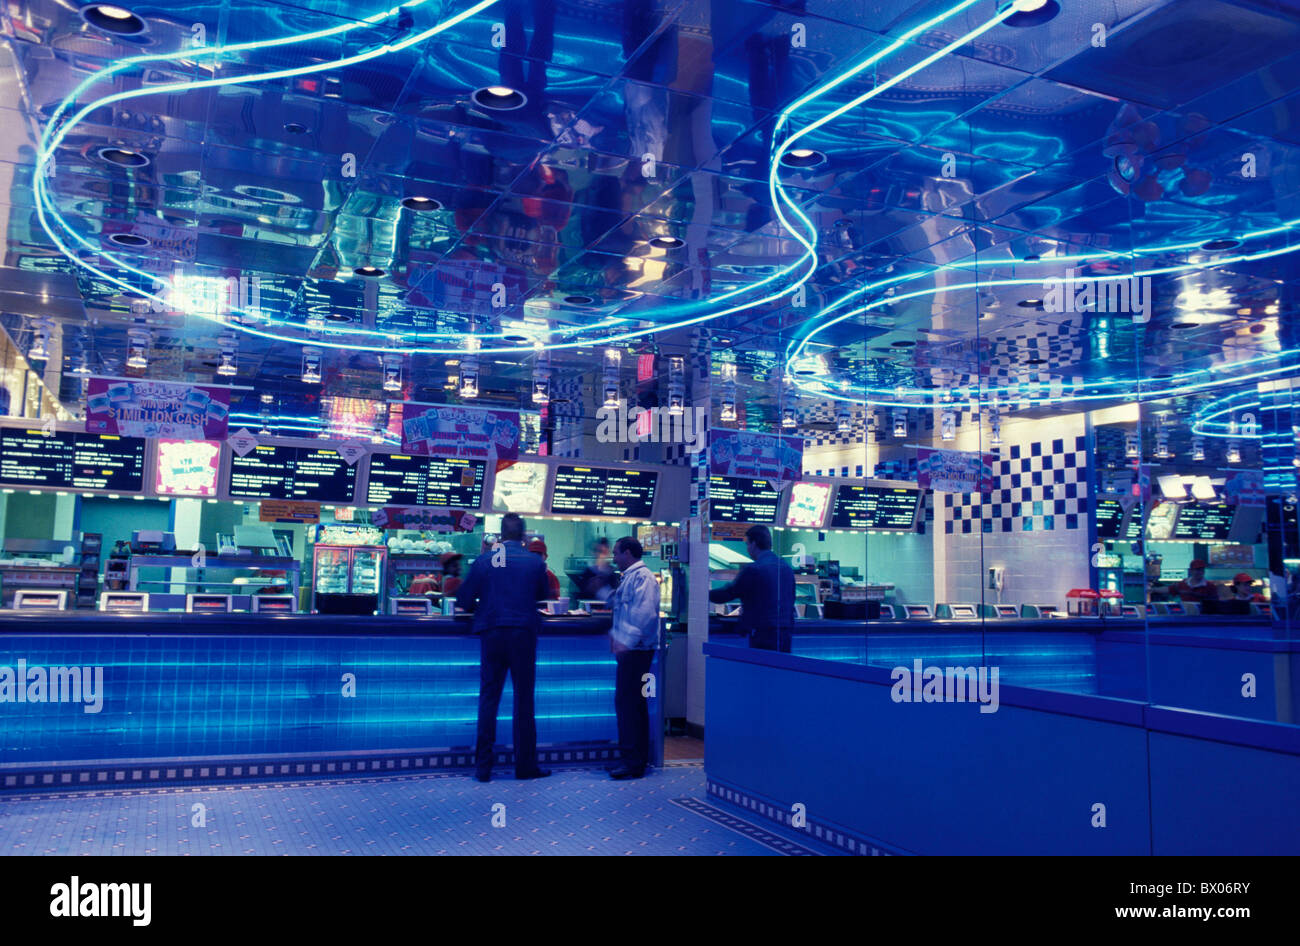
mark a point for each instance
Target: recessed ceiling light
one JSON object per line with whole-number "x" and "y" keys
{"x": 339, "y": 317}
{"x": 1032, "y": 258}
{"x": 112, "y": 19}
{"x": 295, "y": 128}
{"x": 1035, "y": 361}
{"x": 1221, "y": 245}
{"x": 499, "y": 98}
{"x": 1182, "y": 325}
{"x": 666, "y": 242}
{"x": 123, "y": 157}
{"x": 579, "y": 300}
{"x": 128, "y": 239}
{"x": 903, "y": 344}
{"x": 1030, "y": 303}
{"x": 369, "y": 272}
{"x": 803, "y": 158}
{"x": 420, "y": 202}
{"x": 1030, "y": 12}
{"x": 517, "y": 339}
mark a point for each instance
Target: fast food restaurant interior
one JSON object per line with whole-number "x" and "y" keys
{"x": 984, "y": 313}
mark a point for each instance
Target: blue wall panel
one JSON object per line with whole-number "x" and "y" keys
{"x": 927, "y": 778}
{"x": 1221, "y": 799}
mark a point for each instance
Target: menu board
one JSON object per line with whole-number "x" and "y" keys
{"x": 1206, "y": 522}
{"x": 1133, "y": 528}
{"x": 629, "y": 493}
{"x": 808, "y": 502}
{"x": 587, "y": 491}
{"x": 520, "y": 487}
{"x": 1110, "y": 517}
{"x": 850, "y": 510}
{"x": 316, "y": 475}
{"x": 891, "y": 507}
{"x": 399, "y": 480}
{"x": 71, "y": 460}
{"x": 736, "y": 499}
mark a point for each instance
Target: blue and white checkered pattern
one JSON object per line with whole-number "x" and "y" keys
{"x": 1040, "y": 487}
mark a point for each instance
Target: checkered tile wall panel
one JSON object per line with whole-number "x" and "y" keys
{"x": 1040, "y": 487}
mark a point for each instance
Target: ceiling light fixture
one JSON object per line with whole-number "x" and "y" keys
{"x": 112, "y": 19}
{"x": 1215, "y": 245}
{"x": 368, "y": 272}
{"x": 123, "y": 157}
{"x": 311, "y": 373}
{"x": 499, "y": 98}
{"x": 296, "y": 128}
{"x": 1029, "y": 12}
{"x": 666, "y": 242}
{"x": 131, "y": 240}
{"x": 421, "y": 203}
{"x": 802, "y": 159}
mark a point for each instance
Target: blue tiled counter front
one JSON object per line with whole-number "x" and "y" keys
{"x": 219, "y": 687}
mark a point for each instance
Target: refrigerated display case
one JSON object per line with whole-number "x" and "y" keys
{"x": 347, "y": 579}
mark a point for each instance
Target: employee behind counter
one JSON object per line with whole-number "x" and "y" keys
{"x": 1213, "y": 598}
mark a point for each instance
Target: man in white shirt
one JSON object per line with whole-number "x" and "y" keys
{"x": 633, "y": 639}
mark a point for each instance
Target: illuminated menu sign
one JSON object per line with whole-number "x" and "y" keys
{"x": 1133, "y": 530}
{"x": 268, "y": 472}
{"x": 874, "y": 507}
{"x": 735, "y": 499}
{"x": 1206, "y": 522}
{"x": 1110, "y": 516}
{"x": 892, "y": 508}
{"x": 587, "y": 491}
{"x": 72, "y": 460}
{"x": 850, "y": 510}
{"x": 424, "y": 481}
{"x": 808, "y": 502}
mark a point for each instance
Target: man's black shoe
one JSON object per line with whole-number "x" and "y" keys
{"x": 625, "y": 773}
{"x": 482, "y": 776}
{"x": 540, "y": 773}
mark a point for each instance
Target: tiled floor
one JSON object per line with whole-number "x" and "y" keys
{"x": 575, "y": 811}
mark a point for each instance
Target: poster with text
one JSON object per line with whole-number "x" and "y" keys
{"x": 455, "y": 432}
{"x": 156, "y": 409}
{"x": 954, "y": 471}
{"x": 757, "y": 456}
{"x": 187, "y": 468}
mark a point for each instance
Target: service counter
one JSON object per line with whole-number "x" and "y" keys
{"x": 236, "y": 696}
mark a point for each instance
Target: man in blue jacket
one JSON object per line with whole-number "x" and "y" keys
{"x": 765, "y": 588}
{"x": 503, "y": 589}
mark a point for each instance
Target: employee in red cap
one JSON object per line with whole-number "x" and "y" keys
{"x": 1194, "y": 587}
{"x": 450, "y": 572}
{"x": 1243, "y": 588}
{"x": 538, "y": 547}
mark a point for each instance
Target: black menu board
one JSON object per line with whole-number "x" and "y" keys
{"x": 737, "y": 499}
{"x": 424, "y": 481}
{"x": 1133, "y": 528}
{"x": 1110, "y": 517}
{"x": 850, "y": 509}
{"x": 71, "y": 460}
{"x": 890, "y": 507}
{"x": 588, "y": 491}
{"x": 629, "y": 493}
{"x": 268, "y": 472}
{"x": 1205, "y": 522}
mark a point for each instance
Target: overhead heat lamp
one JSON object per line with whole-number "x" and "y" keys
{"x": 609, "y": 377}
{"x": 392, "y": 373}
{"x": 311, "y": 365}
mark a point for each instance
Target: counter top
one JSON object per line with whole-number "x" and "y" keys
{"x": 243, "y": 623}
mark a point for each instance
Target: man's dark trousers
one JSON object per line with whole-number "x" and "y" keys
{"x": 512, "y": 650}
{"x": 633, "y": 709}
